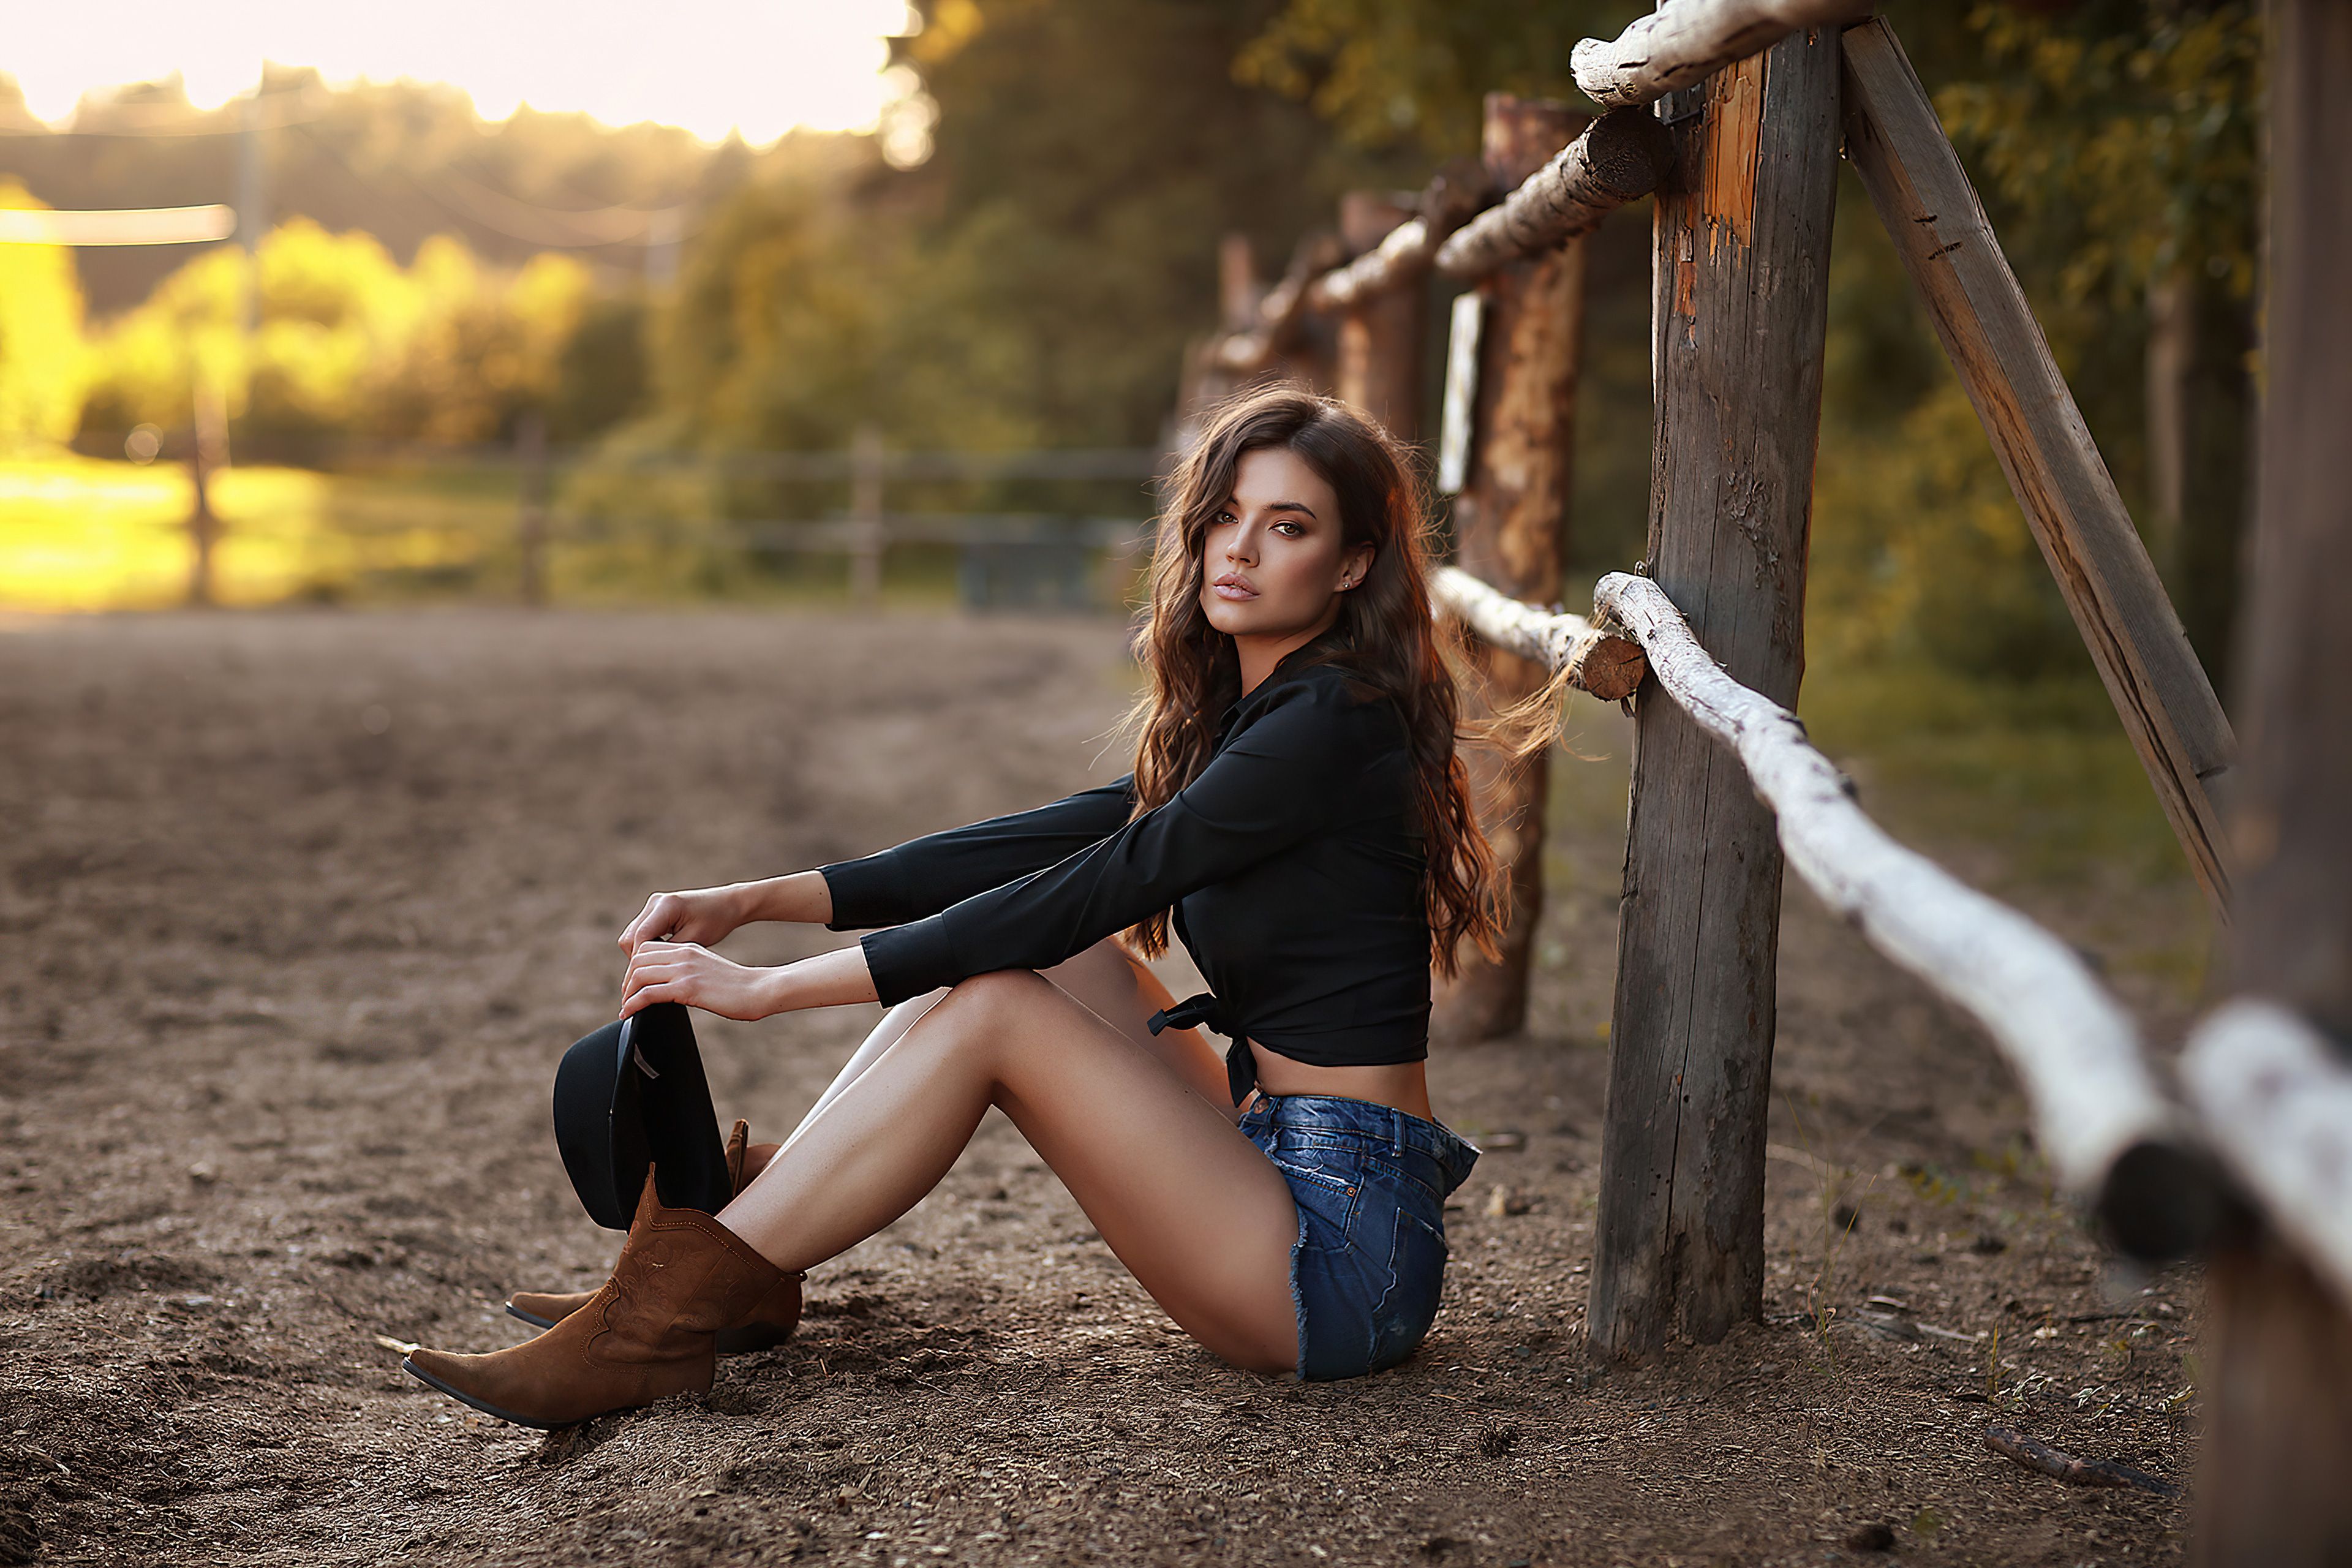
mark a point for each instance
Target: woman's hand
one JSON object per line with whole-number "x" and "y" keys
{"x": 703, "y": 915}
{"x": 688, "y": 973}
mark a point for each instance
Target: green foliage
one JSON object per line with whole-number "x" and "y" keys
{"x": 41, "y": 357}
{"x": 2126, "y": 137}
{"x": 1390, "y": 70}
{"x": 1089, "y": 156}
{"x": 346, "y": 340}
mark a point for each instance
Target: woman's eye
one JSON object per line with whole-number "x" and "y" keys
{"x": 1296, "y": 531}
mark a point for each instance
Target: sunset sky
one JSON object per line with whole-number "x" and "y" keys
{"x": 763, "y": 67}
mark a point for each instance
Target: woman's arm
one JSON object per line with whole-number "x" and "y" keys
{"x": 1284, "y": 777}
{"x": 706, "y": 915}
{"x": 688, "y": 973}
{"x": 919, "y": 877}
{"x": 924, "y": 876}
{"x": 1289, "y": 774}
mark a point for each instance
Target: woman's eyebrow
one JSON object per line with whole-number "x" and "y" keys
{"x": 1290, "y": 506}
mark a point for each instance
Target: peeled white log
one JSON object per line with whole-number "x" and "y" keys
{"x": 1401, "y": 257}
{"x": 1606, "y": 666}
{"x": 2276, "y": 1103}
{"x": 1683, "y": 40}
{"x": 2075, "y": 1050}
{"x": 1616, "y": 159}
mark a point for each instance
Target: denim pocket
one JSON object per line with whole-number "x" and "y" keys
{"x": 1328, "y": 1206}
{"x": 1416, "y": 1278}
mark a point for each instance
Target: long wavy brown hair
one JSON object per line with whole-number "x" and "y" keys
{"x": 1385, "y": 638}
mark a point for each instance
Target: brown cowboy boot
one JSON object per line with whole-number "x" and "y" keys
{"x": 772, "y": 1319}
{"x": 648, "y": 1334}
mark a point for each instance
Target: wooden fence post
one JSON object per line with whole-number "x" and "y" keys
{"x": 1380, "y": 338}
{"x": 2278, "y": 1386}
{"x": 1738, "y": 317}
{"x": 1511, "y": 532}
{"x": 865, "y": 518}
{"x": 531, "y": 510}
{"x": 207, "y": 456}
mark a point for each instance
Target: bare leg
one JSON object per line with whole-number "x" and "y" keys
{"x": 1193, "y": 1209}
{"x": 1104, "y": 979}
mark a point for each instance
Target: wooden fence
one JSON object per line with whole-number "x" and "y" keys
{"x": 1036, "y": 556}
{"x": 1753, "y": 100}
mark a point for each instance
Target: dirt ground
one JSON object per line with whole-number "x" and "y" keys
{"x": 299, "y": 909}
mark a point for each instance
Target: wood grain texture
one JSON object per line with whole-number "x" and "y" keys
{"x": 1988, "y": 329}
{"x": 1739, "y": 313}
{"x": 1606, "y": 665}
{"x": 2072, "y": 1046}
{"x": 1683, "y": 40}
{"x": 1511, "y": 530}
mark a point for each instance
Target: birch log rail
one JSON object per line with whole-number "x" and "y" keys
{"x": 1608, "y": 666}
{"x": 1683, "y": 40}
{"x": 1453, "y": 196}
{"x": 2108, "y": 1134}
{"x": 1248, "y": 352}
{"x": 1612, "y": 161}
{"x": 2276, "y": 1102}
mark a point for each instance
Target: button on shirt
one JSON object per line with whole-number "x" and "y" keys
{"x": 1294, "y": 866}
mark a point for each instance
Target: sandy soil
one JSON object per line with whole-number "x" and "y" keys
{"x": 299, "y": 910}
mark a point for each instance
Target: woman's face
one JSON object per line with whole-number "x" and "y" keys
{"x": 1274, "y": 561}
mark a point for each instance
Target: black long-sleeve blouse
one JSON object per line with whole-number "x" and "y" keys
{"x": 1294, "y": 866}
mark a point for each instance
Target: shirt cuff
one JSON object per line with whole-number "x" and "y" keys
{"x": 867, "y": 892}
{"x": 903, "y": 962}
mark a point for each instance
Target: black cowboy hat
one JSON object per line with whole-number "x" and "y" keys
{"x": 632, "y": 1095}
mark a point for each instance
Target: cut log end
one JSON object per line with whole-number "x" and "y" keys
{"x": 1612, "y": 667}
{"x": 2163, "y": 1200}
{"x": 1630, "y": 151}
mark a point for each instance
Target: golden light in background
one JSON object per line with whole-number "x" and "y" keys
{"x": 760, "y": 67}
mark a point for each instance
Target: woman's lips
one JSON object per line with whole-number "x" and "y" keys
{"x": 1230, "y": 586}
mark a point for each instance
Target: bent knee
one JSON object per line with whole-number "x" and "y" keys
{"x": 996, "y": 994}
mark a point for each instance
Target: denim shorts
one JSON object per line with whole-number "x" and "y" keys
{"x": 1370, "y": 1183}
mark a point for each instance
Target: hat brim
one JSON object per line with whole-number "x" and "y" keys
{"x": 630, "y": 1096}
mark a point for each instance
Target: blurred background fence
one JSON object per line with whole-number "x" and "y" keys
{"x": 353, "y": 521}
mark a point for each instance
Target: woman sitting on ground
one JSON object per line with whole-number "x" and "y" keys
{"x": 1296, "y": 811}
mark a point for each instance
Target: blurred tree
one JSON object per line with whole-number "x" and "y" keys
{"x": 2121, "y": 140}
{"x": 41, "y": 354}
{"x": 603, "y": 376}
{"x": 348, "y": 342}
{"x": 1088, "y": 156}
{"x": 402, "y": 161}
{"x": 1415, "y": 71}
